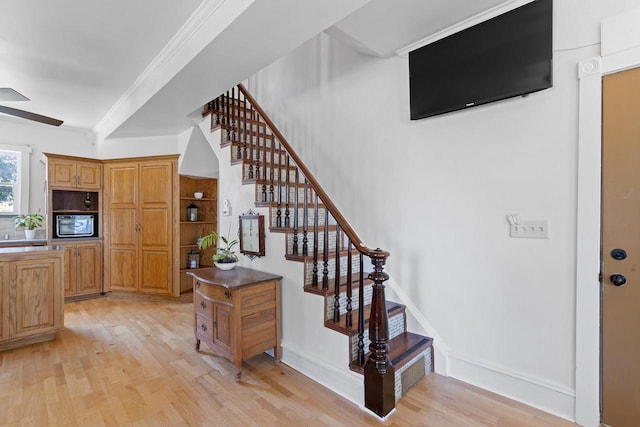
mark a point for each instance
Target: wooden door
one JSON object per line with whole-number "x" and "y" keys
{"x": 156, "y": 231}
{"x": 4, "y": 301}
{"x": 621, "y": 249}
{"x": 88, "y": 268}
{"x": 34, "y": 297}
{"x": 121, "y": 227}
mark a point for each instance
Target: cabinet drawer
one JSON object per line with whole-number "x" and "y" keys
{"x": 202, "y": 305}
{"x": 204, "y": 327}
{"x": 217, "y": 293}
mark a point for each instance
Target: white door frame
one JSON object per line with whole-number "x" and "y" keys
{"x": 620, "y": 46}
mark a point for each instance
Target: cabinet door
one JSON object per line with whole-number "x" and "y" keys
{"x": 89, "y": 175}
{"x": 34, "y": 297}
{"x": 88, "y": 268}
{"x": 62, "y": 173}
{"x": 156, "y": 230}
{"x": 4, "y": 301}
{"x": 69, "y": 270}
{"x": 121, "y": 226}
{"x": 222, "y": 324}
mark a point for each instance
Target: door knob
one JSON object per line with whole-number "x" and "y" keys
{"x": 618, "y": 279}
{"x": 619, "y": 254}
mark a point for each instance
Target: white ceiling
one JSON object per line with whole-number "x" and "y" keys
{"x": 139, "y": 68}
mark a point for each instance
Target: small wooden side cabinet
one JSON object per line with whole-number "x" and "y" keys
{"x": 237, "y": 312}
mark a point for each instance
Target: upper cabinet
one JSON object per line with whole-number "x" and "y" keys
{"x": 74, "y": 172}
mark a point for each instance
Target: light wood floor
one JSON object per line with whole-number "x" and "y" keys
{"x": 123, "y": 362}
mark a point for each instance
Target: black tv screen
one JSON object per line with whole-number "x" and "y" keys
{"x": 506, "y": 56}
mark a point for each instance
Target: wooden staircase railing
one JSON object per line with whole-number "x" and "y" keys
{"x": 282, "y": 173}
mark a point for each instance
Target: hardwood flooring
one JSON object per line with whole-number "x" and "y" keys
{"x": 124, "y": 362}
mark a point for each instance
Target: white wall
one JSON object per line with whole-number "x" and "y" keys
{"x": 435, "y": 193}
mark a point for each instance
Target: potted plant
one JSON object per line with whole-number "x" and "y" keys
{"x": 29, "y": 222}
{"x": 224, "y": 258}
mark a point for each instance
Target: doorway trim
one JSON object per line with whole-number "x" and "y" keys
{"x": 620, "y": 46}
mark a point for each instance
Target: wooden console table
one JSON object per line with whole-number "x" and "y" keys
{"x": 237, "y": 312}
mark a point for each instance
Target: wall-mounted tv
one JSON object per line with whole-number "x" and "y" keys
{"x": 506, "y": 56}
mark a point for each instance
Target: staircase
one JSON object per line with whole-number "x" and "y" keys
{"x": 317, "y": 235}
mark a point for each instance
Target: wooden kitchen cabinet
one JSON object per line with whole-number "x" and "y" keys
{"x": 140, "y": 198}
{"x": 74, "y": 172}
{"x": 237, "y": 313}
{"x": 31, "y": 291}
{"x": 83, "y": 268}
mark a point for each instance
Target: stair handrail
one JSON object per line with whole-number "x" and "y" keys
{"x": 340, "y": 219}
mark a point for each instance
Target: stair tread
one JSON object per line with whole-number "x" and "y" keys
{"x": 341, "y": 326}
{"x": 402, "y": 349}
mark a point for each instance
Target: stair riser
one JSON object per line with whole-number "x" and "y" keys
{"x": 425, "y": 357}
{"x": 310, "y": 239}
{"x": 330, "y": 301}
{"x": 396, "y": 327}
{"x": 292, "y": 192}
{"x": 247, "y": 156}
{"x": 273, "y": 215}
{"x": 246, "y": 175}
{"x": 308, "y": 269}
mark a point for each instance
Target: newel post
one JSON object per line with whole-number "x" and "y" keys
{"x": 379, "y": 373}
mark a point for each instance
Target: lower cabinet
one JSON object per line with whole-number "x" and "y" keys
{"x": 31, "y": 291}
{"x": 237, "y": 312}
{"x": 83, "y": 268}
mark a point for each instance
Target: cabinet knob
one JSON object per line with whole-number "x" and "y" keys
{"x": 197, "y": 284}
{"x": 203, "y": 327}
{"x": 227, "y": 294}
{"x": 203, "y": 305}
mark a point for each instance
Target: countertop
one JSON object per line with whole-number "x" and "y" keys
{"x": 234, "y": 278}
{"x": 30, "y": 249}
{"x": 22, "y": 242}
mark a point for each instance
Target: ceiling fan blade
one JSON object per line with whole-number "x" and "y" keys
{"x": 30, "y": 116}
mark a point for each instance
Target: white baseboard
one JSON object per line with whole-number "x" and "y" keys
{"x": 346, "y": 383}
{"x": 551, "y": 398}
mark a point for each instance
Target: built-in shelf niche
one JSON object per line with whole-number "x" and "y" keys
{"x": 74, "y": 201}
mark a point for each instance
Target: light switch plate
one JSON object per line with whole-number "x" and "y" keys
{"x": 530, "y": 229}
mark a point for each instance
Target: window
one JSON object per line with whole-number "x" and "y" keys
{"x": 9, "y": 182}
{"x": 14, "y": 179}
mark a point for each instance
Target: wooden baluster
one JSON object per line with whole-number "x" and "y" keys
{"x": 225, "y": 109}
{"x": 361, "y": 313}
{"x": 227, "y": 119}
{"x": 251, "y": 145}
{"x": 217, "y": 108}
{"x": 379, "y": 373}
{"x": 244, "y": 134}
{"x": 258, "y": 136}
{"x": 233, "y": 114}
{"x": 325, "y": 255}
{"x": 349, "y": 316}
{"x": 214, "y": 112}
{"x": 314, "y": 277}
{"x": 264, "y": 166}
{"x": 295, "y": 213}
{"x": 271, "y": 170}
{"x": 305, "y": 219}
{"x": 336, "y": 285}
{"x": 286, "y": 195}
{"x": 279, "y": 209}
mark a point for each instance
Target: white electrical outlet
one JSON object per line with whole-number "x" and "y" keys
{"x": 530, "y": 229}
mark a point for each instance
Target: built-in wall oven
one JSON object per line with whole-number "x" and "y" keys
{"x": 74, "y": 225}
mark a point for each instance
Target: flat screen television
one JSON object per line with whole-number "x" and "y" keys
{"x": 506, "y": 56}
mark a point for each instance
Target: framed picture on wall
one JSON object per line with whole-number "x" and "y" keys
{"x": 252, "y": 234}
